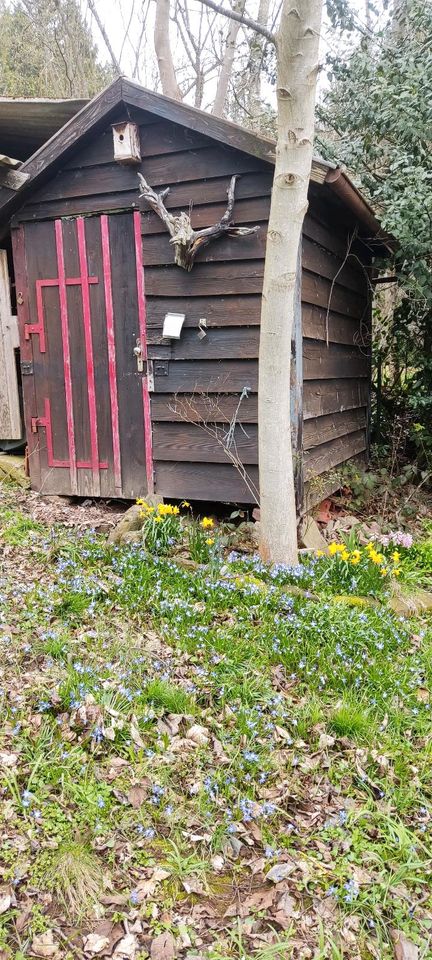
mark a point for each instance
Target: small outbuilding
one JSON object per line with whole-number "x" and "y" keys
{"x": 139, "y": 376}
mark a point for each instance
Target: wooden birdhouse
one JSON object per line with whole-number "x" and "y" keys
{"x": 126, "y": 143}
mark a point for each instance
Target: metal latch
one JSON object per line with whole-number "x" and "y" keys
{"x": 138, "y": 353}
{"x": 26, "y": 368}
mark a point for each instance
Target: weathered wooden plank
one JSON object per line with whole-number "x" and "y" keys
{"x": 329, "y": 455}
{"x": 158, "y": 250}
{"x": 317, "y": 290}
{"x": 103, "y": 203}
{"x": 218, "y": 310}
{"x": 333, "y": 239}
{"x": 210, "y": 376}
{"x": 206, "y": 279}
{"x": 253, "y": 186}
{"x": 319, "y": 430}
{"x": 327, "y": 265}
{"x": 10, "y": 415}
{"x": 29, "y": 391}
{"x": 192, "y": 442}
{"x": 158, "y": 171}
{"x": 157, "y": 137}
{"x": 334, "y": 361}
{"x": 229, "y": 375}
{"x": 247, "y": 210}
{"x": 204, "y": 481}
{"x": 171, "y": 408}
{"x": 321, "y": 397}
{"x": 341, "y": 329}
{"x": 232, "y": 343}
{"x": 206, "y": 409}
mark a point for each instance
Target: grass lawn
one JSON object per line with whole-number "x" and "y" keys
{"x": 212, "y": 761}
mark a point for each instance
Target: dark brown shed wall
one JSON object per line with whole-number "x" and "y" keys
{"x": 198, "y": 380}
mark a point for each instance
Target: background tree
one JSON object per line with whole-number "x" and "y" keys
{"x": 46, "y": 50}
{"x": 377, "y": 118}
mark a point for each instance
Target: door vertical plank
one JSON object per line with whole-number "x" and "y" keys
{"x": 29, "y": 389}
{"x": 88, "y": 340}
{"x": 112, "y": 363}
{"x": 143, "y": 338}
{"x": 66, "y": 356}
{"x": 10, "y": 415}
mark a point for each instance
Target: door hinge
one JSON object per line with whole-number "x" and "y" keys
{"x": 37, "y": 422}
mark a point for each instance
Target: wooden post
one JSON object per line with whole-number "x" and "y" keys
{"x": 10, "y": 415}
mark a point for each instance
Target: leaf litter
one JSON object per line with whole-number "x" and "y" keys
{"x": 147, "y": 732}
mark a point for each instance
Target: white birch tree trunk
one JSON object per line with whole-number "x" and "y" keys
{"x": 297, "y": 44}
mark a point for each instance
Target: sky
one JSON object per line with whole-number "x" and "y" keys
{"x": 123, "y": 18}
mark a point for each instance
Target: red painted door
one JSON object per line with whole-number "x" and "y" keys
{"x": 83, "y": 347}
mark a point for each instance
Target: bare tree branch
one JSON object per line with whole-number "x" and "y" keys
{"x": 188, "y": 242}
{"x": 246, "y": 21}
{"x": 105, "y": 36}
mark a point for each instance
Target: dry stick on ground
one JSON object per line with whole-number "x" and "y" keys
{"x": 187, "y": 411}
{"x": 188, "y": 242}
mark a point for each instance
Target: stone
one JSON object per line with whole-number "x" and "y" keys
{"x": 13, "y": 468}
{"x": 310, "y": 535}
{"x": 412, "y": 604}
{"x": 132, "y": 536}
{"x": 131, "y": 520}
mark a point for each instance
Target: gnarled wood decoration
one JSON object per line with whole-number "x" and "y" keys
{"x": 188, "y": 242}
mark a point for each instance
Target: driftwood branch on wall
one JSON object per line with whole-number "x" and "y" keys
{"x": 186, "y": 241}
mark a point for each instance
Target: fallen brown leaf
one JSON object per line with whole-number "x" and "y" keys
{"x": 404, "y": 949}
{"x": 163, "y": 947}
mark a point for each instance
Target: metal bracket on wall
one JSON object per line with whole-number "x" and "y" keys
{"x": 161, "y": 368}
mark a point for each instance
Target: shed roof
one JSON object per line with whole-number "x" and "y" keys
{"x": 27, "y": 123}
{"x": 97, "y": 112}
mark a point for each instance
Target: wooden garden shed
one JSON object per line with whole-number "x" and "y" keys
{"x": 115, "y": 408}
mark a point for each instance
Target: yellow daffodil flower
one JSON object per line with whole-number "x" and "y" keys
{"x": 335, "y": 548}
{"x": 396, "y": 557}
{"x": 397, "y": 572}
{"x": 345, "y": 555}
{"x": 355, "y": 557}
{"x": 207, "y": 523}
{"x": 210, "y": 541}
